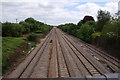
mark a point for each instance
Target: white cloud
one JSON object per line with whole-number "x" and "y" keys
{"x": 60, "y": 1}
{"x": 92, "y": 8}
{"x": 111, "y": 7}
{"x": 89, "y": 9}
{"x": 52, "y": 11}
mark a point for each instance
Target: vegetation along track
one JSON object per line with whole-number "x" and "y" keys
{"x": 61, "y": 55}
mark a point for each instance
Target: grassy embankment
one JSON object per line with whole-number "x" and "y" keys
{"x": 13, "y": 50}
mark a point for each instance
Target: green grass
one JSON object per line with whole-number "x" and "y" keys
{"x": 9, "y": 45}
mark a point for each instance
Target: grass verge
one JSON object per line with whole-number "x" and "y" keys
{"x": 13, "y": 48}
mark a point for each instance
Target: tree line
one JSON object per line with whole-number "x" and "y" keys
{"x": 106, "y": 29}
{"x": 27, "y": 26}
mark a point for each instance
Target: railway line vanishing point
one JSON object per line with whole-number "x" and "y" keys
{"x": 62, "y": 56}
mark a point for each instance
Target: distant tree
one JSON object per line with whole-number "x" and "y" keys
{"x": 26, "y": 27}
{"x": 85, "y": 19}
{"x": 69, "y": 28}
{"x": 36, "y": 25}
{"x": 11, "y": 29}
{"x": 88, "y": 18}
{"x": 103, "y": 17}
{"x": 80, "y": 23}
{"x": 33, "y": 23}
{"x": 85, "y": 32}
{"x": 30, "y": 20}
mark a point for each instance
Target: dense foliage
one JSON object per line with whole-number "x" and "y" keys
{"x": 111, "y": 32}
{"x": 85, "y": 31}
{"x": 69, "y": 28}
{"x": 11, "y": 29}
{"x": 33, "y": 37}
{"x": 24, "y": 27}
{"x": 105, "y": 27}
{"x": 81, "y": 30}
{"x": 103, "y": 17}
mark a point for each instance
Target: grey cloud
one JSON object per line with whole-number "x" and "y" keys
{"x": 12, "y": 4}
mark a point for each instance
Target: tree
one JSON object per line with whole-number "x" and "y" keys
{"x": 37, "y": 26}
{"x": 85, "y": 32}
{"x": 26, "y": 27}
{"x": 88, "y": 18}
{"x": 30, "y": 20}
{"x": 69, "y": 28}
{"x": 85, "y": 19}
{"x": 80, "y": 23}
{"x": 11, "y": 29}
{"x": 33, "y": 23}
{"x": 103, "y": 17}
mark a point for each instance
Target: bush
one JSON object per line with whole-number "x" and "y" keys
{"x": 11, "y": 29}
{"x": 111, "y": 32}
{"x": 96, "y": 34}
{"x": 26, "y": 27}
{"x": 69, "y": 28}
{"x": 85, "y": 32}
{"x": 33, "y": 37}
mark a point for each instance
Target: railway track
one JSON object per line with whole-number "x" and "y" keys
{"x": 99, "y": 55}
{"x": 62, "y": 56}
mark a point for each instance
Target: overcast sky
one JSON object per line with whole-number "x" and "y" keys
{"x": 55, "y": 12}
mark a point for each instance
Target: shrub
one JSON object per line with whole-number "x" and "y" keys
{"x": 11, "y": 29}
{"x": 26, "y": 27}
{"x": 69, "y": 28}
{"x": 85, "y": 32}
{"x": 96, "y": 34}
{"x": 111, "y": 32}
{"x": 33, "y": 37}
